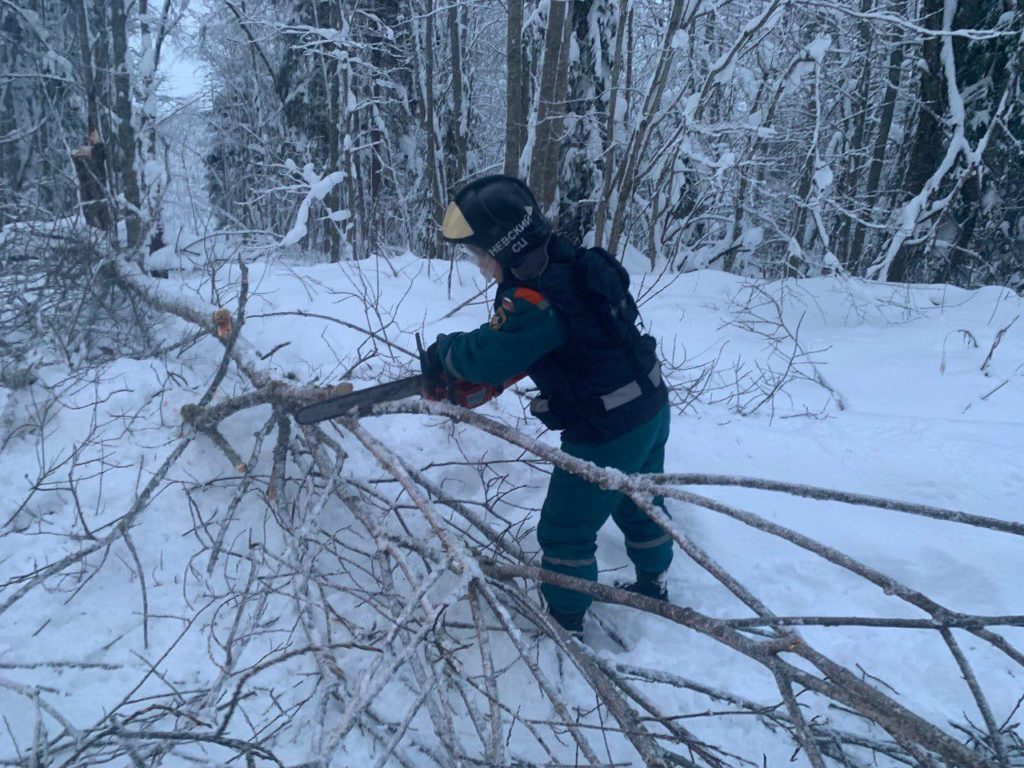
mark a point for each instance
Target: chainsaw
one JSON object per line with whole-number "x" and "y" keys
{"x": 437, "y": 386}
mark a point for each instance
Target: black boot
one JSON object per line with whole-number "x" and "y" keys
{"x": 570, "y": 621}
{"x": 653, "y": 585}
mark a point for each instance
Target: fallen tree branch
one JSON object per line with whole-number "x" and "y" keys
{"x": 828, "y": 494}
{"x": 390, "y": 551}
{"x": 839, "y": 684}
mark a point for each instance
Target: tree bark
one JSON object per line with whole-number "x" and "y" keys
{"x": 91, "y": 171}
{"x": 975, "y": 63}
{"x": 125, "y": 158}
{"x": 623, "y": 33}
{"x": 434, "y": 166}
{"x": 336, "y": 118}
{"x": 458, "y": 129}
{"x": 858, "y": 140}
{"x": 87, "y": 68}
{"x": 928, "y": 135}
{"x": 627, "y": 171}
{"x": 517, "y": 93}
{"x": 550, "y": 106}
{"x": 878, "y": 152}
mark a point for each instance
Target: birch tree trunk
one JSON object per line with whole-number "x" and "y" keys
{"x": 615, "y": 97}
{"x": 977, "y": 64}
{"x": 154, "y": 183}
{"x": 126, "y": 147}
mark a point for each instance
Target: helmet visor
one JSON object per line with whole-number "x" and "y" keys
{"x": 455, "y": 226}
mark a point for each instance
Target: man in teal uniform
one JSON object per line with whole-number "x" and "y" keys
{"x": 564, "y": 316}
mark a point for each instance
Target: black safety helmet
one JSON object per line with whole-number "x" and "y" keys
{"x": 498, "y": 215}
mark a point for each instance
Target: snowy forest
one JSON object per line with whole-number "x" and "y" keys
{"x": 214, "y": 213}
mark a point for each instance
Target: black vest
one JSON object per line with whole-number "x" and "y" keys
{"x": 606, "y": 379}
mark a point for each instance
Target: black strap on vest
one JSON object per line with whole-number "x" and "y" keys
{"x": 591, "y": 290}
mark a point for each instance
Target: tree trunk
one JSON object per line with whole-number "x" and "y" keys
{"x": 91, "y": 171}
{"x": 637, "y": 144}
{"x": 928, "y": 136}
{"x": 390, "y": 54}
{"x": 975, "y": 63}
{"x": 458, "y": 129}
{"x": 9, "y": 150}
{"x": 88, "y": 68}
{"x": 434, "y": 169}
{"x": 154, "y": 187}
{"x": 337, "y": 115}
{"x": 518, "y": 88}
{"x": 624, "y": 31}
{"x": 550, "y": 106}
{"x": 125, "y": 158}
{"x": 353, "y": 229}
{"x": 878, "y": 152}
{"x": 858, "y": 140}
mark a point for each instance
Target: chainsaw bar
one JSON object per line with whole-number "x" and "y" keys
{"x": 359, "y": 403}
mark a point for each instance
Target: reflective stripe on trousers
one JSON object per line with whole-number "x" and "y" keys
{"x": 568, "y": 563}
{"x": 651, "y": 544}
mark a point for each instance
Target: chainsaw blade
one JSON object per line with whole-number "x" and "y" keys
{"x": 359, "y": 403}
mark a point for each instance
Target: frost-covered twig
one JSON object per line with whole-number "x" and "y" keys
{"x": 888, "y": 584}
{"x": 648, "y": 749}
{"x": 959, "y": 621}
{"x": 243, "y": 488}
{"x": 372, "y": 334}
{"x": 495, "y": 749}
{"x": 123, "y": 524}
{"x": 775, "y": 329}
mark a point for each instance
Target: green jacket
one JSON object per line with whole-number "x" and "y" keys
{"x": 523, "y": 329}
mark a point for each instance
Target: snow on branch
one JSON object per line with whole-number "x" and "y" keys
{"x": 356, "y": 598}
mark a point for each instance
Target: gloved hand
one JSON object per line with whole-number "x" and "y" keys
{"x": 439, "y": 385}
{"x": 436, "y": 383}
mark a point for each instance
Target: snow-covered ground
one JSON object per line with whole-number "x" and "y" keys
{"x": 888, "y": 397}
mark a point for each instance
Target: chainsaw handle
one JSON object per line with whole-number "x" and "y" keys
{"x": 434, "y": 376}
{"x": 430, "y": 371}
{"x": 464, "y": 393}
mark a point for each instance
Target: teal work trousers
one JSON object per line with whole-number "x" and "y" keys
{"x": 575, "y": 510}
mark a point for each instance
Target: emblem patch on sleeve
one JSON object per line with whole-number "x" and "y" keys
{"x": 498, "y": 319}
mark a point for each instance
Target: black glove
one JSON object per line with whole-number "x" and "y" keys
{"x": 435, "y": 380}
{"x": 439, "y": 385}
